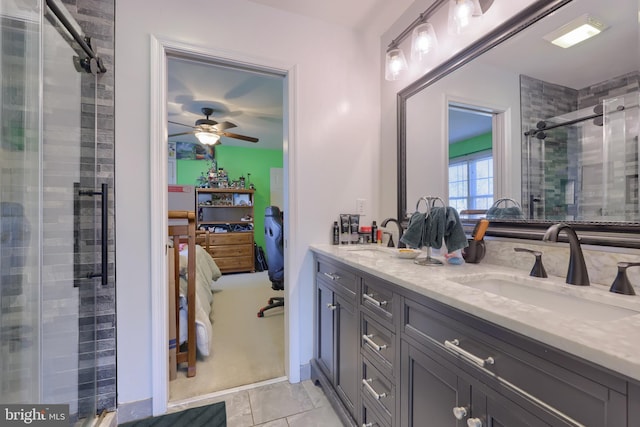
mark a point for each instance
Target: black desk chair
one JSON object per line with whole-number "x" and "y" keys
{"x": 273, "y": 239}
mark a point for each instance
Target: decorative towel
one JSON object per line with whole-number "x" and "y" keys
{"x": 444, "y": 224}
{"x": 511, "y": 212}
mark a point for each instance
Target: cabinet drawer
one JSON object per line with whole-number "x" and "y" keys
{"x": 521, "y": 366}
{"x": 231, "y": 251}
{"x": 337, "y": 275}
{"x": 378, "y": 390}
{"x": 378, "y": 343}
{"x": 230, "y": 238}
{"x": 369, "y": 416}
{"x": 378, "y": 299}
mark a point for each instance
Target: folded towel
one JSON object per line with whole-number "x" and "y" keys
{"x": 413, "y": 236}
{"x": 444, "y": 224}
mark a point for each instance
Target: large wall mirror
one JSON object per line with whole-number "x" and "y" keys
{"x": 563, "y": 122}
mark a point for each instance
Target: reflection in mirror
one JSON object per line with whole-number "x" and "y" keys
{"x": 579, "y": 172}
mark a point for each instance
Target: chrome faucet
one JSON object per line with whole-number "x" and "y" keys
{"x": 400, "y": 229}
{"x": 577, "y": 273}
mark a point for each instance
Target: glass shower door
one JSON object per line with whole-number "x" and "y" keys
{"x": 49, "y": 160}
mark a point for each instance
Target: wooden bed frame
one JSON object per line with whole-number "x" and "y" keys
{"x": 181, "y": 233}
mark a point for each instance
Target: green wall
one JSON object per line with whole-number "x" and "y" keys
{"x": 239, "y": 161}
{"x": 472, "y": 145}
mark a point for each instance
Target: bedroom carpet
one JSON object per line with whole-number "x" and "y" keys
{"x": 246, "y": 349}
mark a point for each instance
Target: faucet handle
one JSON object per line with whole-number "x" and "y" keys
{"x": 621, "y": 284}
{"x": 538, "y": 269}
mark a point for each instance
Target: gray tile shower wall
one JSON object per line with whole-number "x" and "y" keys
{"x": 97, "y": 322}
{"x": 582, "y": 189}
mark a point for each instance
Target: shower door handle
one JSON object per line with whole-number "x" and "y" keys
{"x": 104, "y": 196}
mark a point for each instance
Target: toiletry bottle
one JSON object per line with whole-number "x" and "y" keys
{"x": 336, "y": 233}
{"x": 374, "y": 232}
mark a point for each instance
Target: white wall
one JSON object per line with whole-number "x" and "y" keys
{"x": 448, "y": 46}
{"x": 336, "y": 144}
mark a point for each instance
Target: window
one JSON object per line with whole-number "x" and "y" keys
{"x": 471, "y": 181}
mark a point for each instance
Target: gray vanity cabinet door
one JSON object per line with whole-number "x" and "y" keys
{"x": 325, "y": 335}
{"x": 430, "y": 392}
{"x": 346, "y": 351}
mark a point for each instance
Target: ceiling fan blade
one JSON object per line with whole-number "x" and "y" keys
{"x": 224, "y": 126}
{"x": 236, "y": 136}
{"x": 181, "y": 124}
{"x": 182, "y": 133}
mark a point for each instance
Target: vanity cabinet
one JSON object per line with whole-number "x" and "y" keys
{"x": 424, "y": 363}
{"x": 336, "y": 334}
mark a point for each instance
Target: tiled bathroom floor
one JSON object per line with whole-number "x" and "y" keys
{"x": 276, "y": 405}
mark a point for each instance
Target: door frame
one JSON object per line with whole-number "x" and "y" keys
{"x": 158, "y": 169}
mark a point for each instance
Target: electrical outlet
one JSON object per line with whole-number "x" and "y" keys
{"x": 360, "y": 206}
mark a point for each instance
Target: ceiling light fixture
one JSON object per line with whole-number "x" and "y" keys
{"x": 576, "y": 31}
{"x": 423, "y": 35}
{"x": 207, "y": 138}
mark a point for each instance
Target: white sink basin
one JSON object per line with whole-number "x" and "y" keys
{"x": 580, "y": 302}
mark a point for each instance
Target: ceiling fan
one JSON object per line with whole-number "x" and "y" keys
{"x": 209, "y": 131}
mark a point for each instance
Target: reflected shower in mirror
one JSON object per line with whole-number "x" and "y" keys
{"x": 579, "y": 172}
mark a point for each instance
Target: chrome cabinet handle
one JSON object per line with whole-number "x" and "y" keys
{"x": 371, "y": 391}
{"x": 332, "y": 276}
{"x": 474, "y": 422}
{"x": 372, "y": 300}
{"x": 331, "y": 306}
{"x": 460, "y": 412}
{"x": 369, "y": 424}
{"x": 368, "y": 340}
{"x": 453, "y": 345}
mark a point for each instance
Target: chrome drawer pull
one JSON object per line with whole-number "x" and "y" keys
{"x": 453, "y": 345}
{"x": 332, "y": 276}
{"x": 372, "y": 344}
{"x": 369, "y": 424}
{"x": 372, "y": 300}
{"x": 331, "y": 306}
{"x": 460, "y": 412}
{"x": 371, "y": 390}
{"x": 474, "y": 422}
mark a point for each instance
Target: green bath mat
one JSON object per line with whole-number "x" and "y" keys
{"x": 213, "y": 415}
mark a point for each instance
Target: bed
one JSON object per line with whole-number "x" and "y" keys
{"x": 194, "y": 271}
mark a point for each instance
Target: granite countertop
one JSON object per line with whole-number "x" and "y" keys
{"x": 613, "y": 344}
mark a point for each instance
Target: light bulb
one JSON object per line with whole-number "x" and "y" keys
{"x": 395, "y": 64}
{"x": 460, "y": 12}
{"x": 423, "y": 41}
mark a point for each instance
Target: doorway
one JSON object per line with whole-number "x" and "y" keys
{"x": 475, "y": 136}
{"x": 188, "y": 53}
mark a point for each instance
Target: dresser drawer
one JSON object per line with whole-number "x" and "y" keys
{"x": 216, "y": 239}
{"x": 377, "y": 298}
{"x": 378, "y": 343}
{"x": 518, "y": 365}
{"x": 337, "y": 275}
{"x": 378, "y": 390}
{"x": 235, "y": 264}
{"x": 231, "y": 251}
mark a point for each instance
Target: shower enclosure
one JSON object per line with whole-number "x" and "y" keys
{"x": 583, "y": 165}
{"x": 52, "y": 211}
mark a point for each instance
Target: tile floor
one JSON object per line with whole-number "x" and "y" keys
{"x": 276, "y": 405}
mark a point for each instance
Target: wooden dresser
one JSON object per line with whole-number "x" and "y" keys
{"x": 232, "y": 209}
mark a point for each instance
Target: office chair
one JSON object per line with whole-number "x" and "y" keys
{"x": 274, "y": 243}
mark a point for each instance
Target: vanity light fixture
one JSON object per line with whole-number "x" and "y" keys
{"x": 207, "y": 138}
{"x": 423, "y": 35}
{"x": 576, "y": 31}
{"x": 423, "y": 41}
{"x": 395, "y": 63}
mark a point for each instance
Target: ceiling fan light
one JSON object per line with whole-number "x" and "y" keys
{"x": 207, "y": 138}
{"x": 423, "y": 41}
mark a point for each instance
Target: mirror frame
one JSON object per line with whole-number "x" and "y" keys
{"x": 617, "y": 234}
